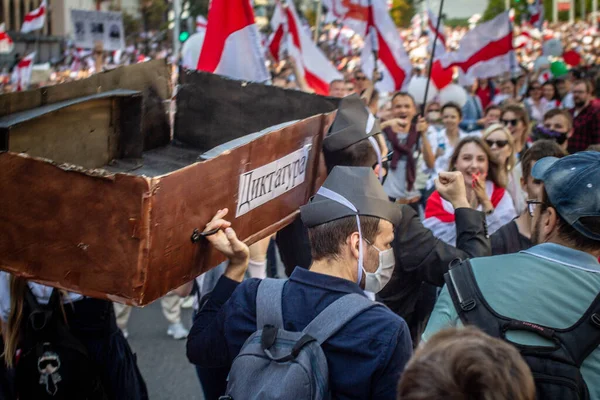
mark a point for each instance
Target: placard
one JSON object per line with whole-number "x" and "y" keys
{"x": 90, "y": 27}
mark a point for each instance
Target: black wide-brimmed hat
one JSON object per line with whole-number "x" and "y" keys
{"x": 353, "y": 123}
{"x": 349, "y": 191}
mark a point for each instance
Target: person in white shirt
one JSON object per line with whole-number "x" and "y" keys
{"x": 445, "y": 140}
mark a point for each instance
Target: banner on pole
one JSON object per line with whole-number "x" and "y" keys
{"x": 90, "y": 27}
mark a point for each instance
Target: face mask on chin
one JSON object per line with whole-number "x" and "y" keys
{"x": 376, "y": 281}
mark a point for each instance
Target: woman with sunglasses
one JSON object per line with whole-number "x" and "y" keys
{"x": 502, "y": 146}
{"x": 485, "y": 192}
{"x": 516, "y": 120}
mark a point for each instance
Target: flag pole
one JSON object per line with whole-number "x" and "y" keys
{"x": 374, "y": 40}
{"x": 435, "y": 38}
{"x": 318, "y": 21}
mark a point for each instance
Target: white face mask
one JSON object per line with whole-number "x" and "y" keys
{"x": 376, "y": 281}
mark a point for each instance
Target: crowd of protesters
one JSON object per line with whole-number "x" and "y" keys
{"x": 485, "y": 214}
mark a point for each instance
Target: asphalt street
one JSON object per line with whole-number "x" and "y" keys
{"x": 161, "y": 359}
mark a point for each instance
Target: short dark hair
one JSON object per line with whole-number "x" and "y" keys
{"x": 492, "y": 107}
{"x": 404, "y": 94}
{"x": 360, "y": 154}
{"x": 540, "y": 149}
{"x": 465, "y": 363}
{"x": 326, "y": 239}
{"x": 557, "y": 111}
{"x": 335, "y": 81}
{"x": 454, "y": 106}
{"x": 589, "y": 87}
{"x": 572, "y": 236}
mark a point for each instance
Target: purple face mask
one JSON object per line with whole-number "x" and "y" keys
{"x": 541, "y": 132}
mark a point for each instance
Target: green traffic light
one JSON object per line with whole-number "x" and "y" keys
{"x": 183, "y": 36}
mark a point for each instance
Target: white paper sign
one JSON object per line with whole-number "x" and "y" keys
{"x": 272, "y": 180}
{"x": 92, "y": 26}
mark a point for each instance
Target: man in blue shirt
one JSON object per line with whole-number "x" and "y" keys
{"x": 553, "y": 283}
{"x": 366, "y": 357}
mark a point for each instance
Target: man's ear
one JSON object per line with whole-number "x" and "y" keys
{"x": 551, "y": 221}
{"x": 353, "y": 241}
{"x": 570, "y": 133}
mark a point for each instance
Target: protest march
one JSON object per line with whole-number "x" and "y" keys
{"x": 333, "y": 203}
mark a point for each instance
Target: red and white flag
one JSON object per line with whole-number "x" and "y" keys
{"x": 536, "y": 14}
{"x": 35, "y": 19}
{"x": 440, "y": 47}
{"x": 201, "y": 23}
{"x": 485, "y": 51}
{"x": 232, "y": 43}
{"x": 544, "y": 77}
{"x": 6, "y": 43}
{"x": 21, "y": 75}
{"x": 352, "y": 13}
{"x": 279, "y": 27}
{"x": 523, "y": 40}
{"x": 316, "y": 69}
{"x": 384, "y": 41}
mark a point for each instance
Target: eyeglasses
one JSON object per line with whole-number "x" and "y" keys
{"x": 360, "y": 78}
{"x": 499, "y": 143}
{"x": 512, "y": 122}
{"x": 531, "y": 206}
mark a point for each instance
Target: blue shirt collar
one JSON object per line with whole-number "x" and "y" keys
{"x": 326, "y": 282}
{"x": 565, "y": 255}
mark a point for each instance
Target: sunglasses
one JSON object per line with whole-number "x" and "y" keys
{"x": 499, "y": 143}
{"x": 512, "y": 122}
{"x": 360, "y": 78}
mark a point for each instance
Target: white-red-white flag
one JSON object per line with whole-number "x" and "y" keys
{"x": 544, "y": 77}
{"x": 432, "y": 21}
{"x": 317, "y": 70}
{"x": 352, "y": 13}
{"x": 277, "y": 38}
{"x": 35, "y": 19}
{"x": 385, "y": 42}
{"x": 6, "y": 43}
{"x": 523, "y": 40}
{"x": 201, "y": 23}
{"x": 21, "y": 75}
{"x": 485, "y": 51}
{"x": 536, "y": 14}
{"x": 232, "y": 43}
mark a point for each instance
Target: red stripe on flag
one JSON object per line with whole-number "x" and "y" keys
{"x": 490, "y": 51}
{"x": 441, "y": 37}
{"x": 386, "y": 56}
{"x": 24, "y": 63}
{"x": 435, "y": 209}
{"x": 225, "y": 17}
{"x": 293, "y": 28}
{"x": 35, "y": 14}
{"x": 318, "y": 85}
{"x": 275, "y": 44}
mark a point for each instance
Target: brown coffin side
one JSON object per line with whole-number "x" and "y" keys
{"x": 68, "y": 227}
{"x": 188, "y": 199}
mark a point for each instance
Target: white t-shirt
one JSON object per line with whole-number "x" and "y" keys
{"x": 41, "y": 292}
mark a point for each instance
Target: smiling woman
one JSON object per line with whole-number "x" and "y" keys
{"x": 485, "y": 192}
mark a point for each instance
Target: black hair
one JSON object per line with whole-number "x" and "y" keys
{"x": 360, "y": 154}
{"x": 454, "y": 106}
{"x": 569, "y": 234}
{"x": 326, "y": 239}
{"x": 404, "y": 94}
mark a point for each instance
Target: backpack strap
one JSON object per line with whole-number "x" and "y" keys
{"x": 336, "y": 315}
{"x": 583, "y": 337}
{"x": 469, "y": 302}
{"x": 268, "y": 303}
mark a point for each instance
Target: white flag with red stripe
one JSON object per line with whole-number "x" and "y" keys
{"x": 385, "y": 41}
{"x": 485, "y": 51}
{"x": 279, "y": 27}
{"x": 352, "y": 13}
{"x": 316, "y": 69}
{"x": 6, "y": 43}
{"x": 21, "y": 75}
{"x": 536, "y": 14}
{"x": 201, "y": 23}
{"x": 232, "y": 43}
{"x": 440, "y": 47}
{"x": 35, "y": 19}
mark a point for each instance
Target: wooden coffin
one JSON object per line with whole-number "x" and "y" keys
{"x": 119, "y": 225}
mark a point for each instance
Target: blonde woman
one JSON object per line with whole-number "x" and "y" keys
{"x": 502, "y": 146}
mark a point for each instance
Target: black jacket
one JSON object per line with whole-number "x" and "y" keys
{"x": 421, "y": 259}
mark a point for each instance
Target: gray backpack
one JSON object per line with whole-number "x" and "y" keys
{"x": 278, "y": 364}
